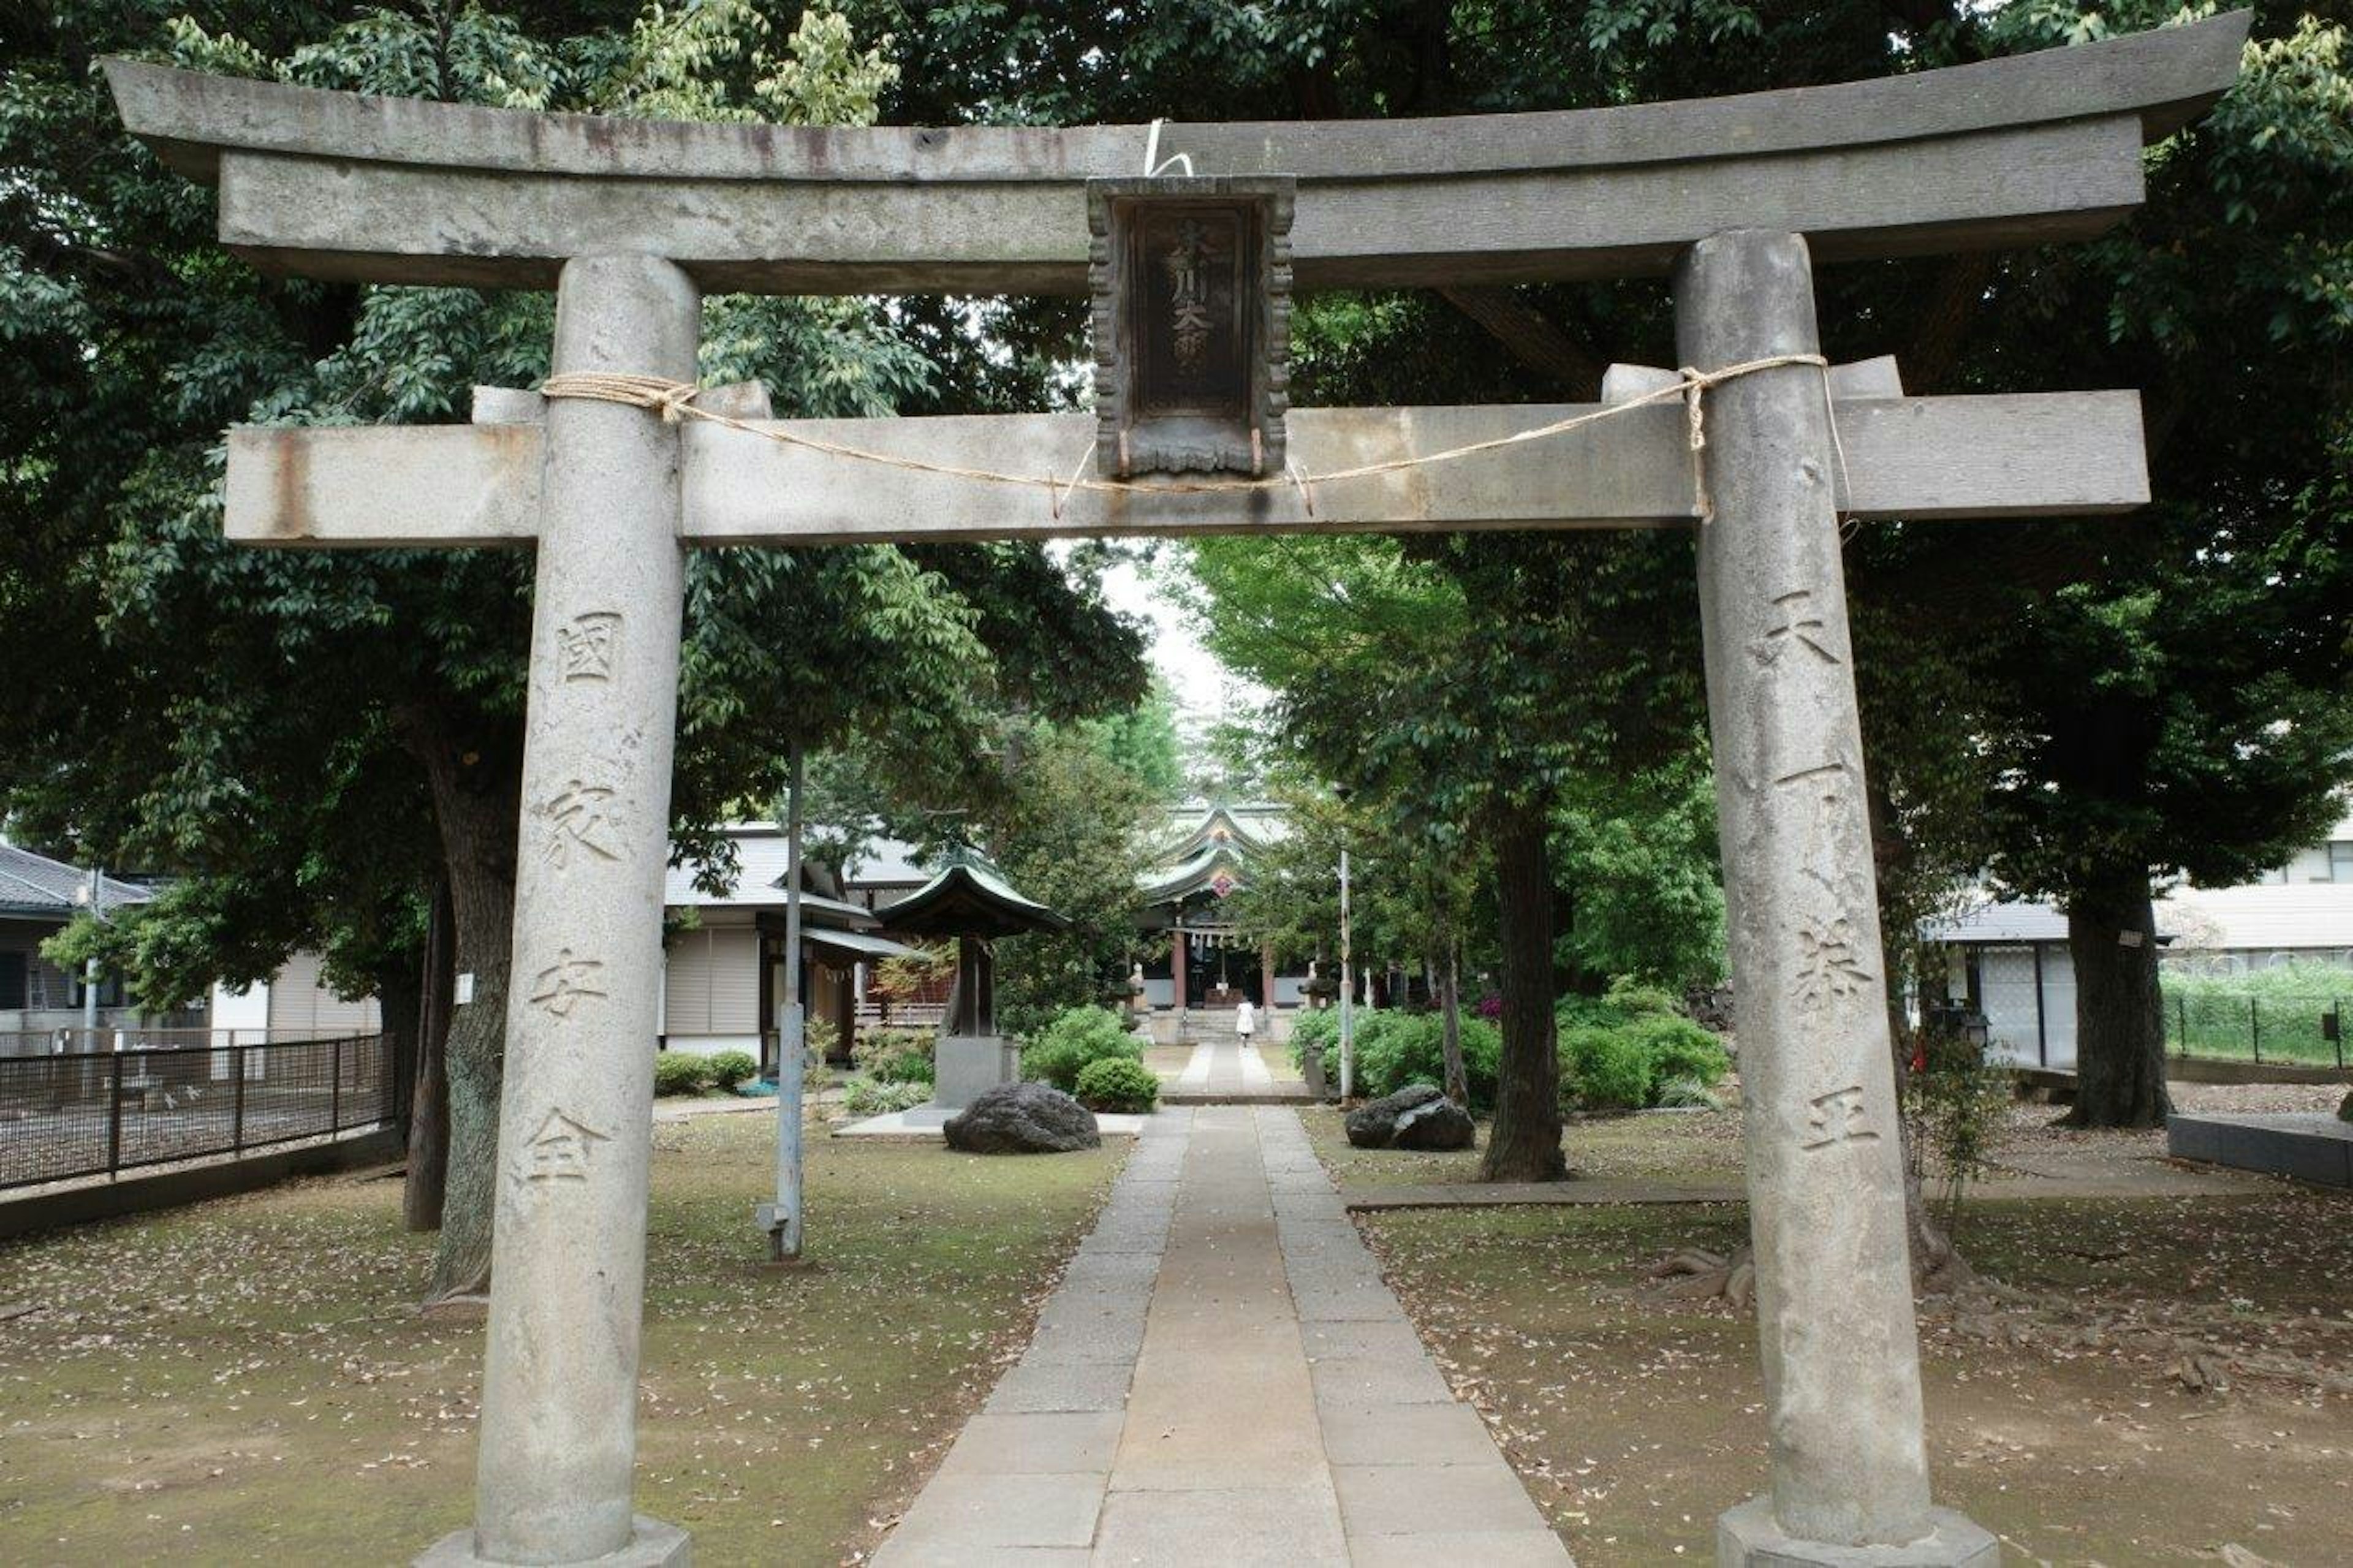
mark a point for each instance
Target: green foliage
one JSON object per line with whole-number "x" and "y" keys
{"x": 2277, "y": 1009}
{"x": 1605, "y": 1069}
{"x": 896, "y": 1056}
{"x": 1077, "y": 1037}
{"x": 1118, "y": 1084}
{"x": 1624, "y": 1050}
{"x": 1679, "y": 1049}
{"x": 1953, "y": 1107}
{"x": 1689, "y": 1093}
{"x": 1639, "y": 855}
{"x": 863, "y": 1096}
{"x": 1066, "y": 833}
{"x": 682, "y": 1072}
{"x": 1394, "y": 1049}
{"x": 1143, "y": 741}
{"x": 729, "y": 1068}
{"x": 1320, "y": 1026}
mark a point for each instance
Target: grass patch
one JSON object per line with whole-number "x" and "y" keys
{"x": 247, "y": 1379}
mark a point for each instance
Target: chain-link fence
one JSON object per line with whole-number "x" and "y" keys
{"x": 2300, "y": 1030}
{"x": 97, "y": 1112}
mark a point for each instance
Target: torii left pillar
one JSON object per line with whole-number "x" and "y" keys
{"x": 558, "y": 1437}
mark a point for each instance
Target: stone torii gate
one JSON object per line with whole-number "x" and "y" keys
{"x": 631, "y": 221}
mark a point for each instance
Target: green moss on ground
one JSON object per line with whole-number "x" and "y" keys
{"x": 247, "y": 1379}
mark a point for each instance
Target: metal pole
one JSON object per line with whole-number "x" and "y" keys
{"x": 1347, "y": 991}
{"x": 336, "y": 1085}
{"x": 2254, "y": 1029}
{"x": 90, "y": 969}
{"x": 114, "y": 1114}
{"x": 782, "y": 1220}
{"x": 237, "y": 1116}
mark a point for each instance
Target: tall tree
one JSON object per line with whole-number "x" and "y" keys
{"x": 189, "y": 680}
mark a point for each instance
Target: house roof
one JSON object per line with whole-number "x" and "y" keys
{"x": 885, "y": 863}
{"x": 1999, "y": 921}
{"x": 2268, "y": 917}
{"x": 34, "y": 884}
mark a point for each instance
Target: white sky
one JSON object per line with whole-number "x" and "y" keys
{"x": 1204, "y": 688}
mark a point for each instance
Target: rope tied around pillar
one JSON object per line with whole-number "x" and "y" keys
{"x": 673, "y": 400}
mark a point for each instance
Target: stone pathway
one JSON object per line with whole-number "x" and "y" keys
{"x": 1223, "y": 1378}
{"x": 1229, "y": 1072}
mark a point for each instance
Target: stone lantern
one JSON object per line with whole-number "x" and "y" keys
{"x": 971, "y": 902}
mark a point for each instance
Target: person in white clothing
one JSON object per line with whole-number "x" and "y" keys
{"x": 1245, "y": 1021}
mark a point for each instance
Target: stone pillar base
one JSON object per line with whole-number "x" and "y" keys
{"x": 969, "y": 1064}
{"x": 1747, "y": 1536}
{"x": 652, "y": 1544}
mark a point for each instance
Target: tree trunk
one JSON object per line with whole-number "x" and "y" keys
{"x": 2119, "y": 1015}
{"x": 428, "y": 1106}
{"x": 1523, "y": 1144}
{"x": 1449, "y": 1019}
{"x": 475, "y": 795}
{"x": 400, "y": 1004}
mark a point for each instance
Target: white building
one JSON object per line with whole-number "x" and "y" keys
{"x": 2009, "y": 959}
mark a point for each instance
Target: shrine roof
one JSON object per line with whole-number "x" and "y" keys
{"x": 1163, "y": 885}
{"x": 968, "y": 898}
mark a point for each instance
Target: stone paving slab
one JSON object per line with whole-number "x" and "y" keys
{"x": 1057, "y": 1442}
{"x": 1223, "y": 1377}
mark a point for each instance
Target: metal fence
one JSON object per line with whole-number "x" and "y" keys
{"x": 67, "y": 1040}
{"x": 2298, "y": 1030}
{"x": 87, "y": 1113}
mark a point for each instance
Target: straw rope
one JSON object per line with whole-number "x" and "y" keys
{"x": 674, "y": 402}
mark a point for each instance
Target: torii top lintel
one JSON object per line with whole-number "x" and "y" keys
{"x": 2025, "y": 149}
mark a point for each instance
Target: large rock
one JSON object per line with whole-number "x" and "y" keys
{"x": 1374, "y": 1124}
{"x": 1023, "y": 1118}
{"x": 1434, "y": 1127}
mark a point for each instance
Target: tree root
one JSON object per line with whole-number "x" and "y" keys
{"x": 1696, "y": 1274}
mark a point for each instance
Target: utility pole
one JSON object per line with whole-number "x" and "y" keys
{"x": 782, "y": 1219}
{"x": 89, "y": 966}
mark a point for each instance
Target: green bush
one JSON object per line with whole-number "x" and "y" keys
{"x": 863, "y": 1096}
{"x": 1680, "y": 1092}
{"x": 1117, "y": 1083}
{"x": 1321, "y": 1026}
{"x": 1077, "y": 1036}
{"x": 1639, "y": 1001}
{"x": 729, "y": 1068}
{"x": 1622, "y": 1052}
{"x": 1605, "y": 1069}
{"x": 1677, "y": 1047}
{"x": 896, "y": 1056}
{"x": 1394, "y": 1049}
{"x": 681, "y": 1072}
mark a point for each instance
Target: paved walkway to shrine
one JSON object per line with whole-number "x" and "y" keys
{"x": 1227, "y": 1071}
{"x": 1223, "y": 1377}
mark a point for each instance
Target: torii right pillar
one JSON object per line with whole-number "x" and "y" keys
{"x": 1835, "y": 1326}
